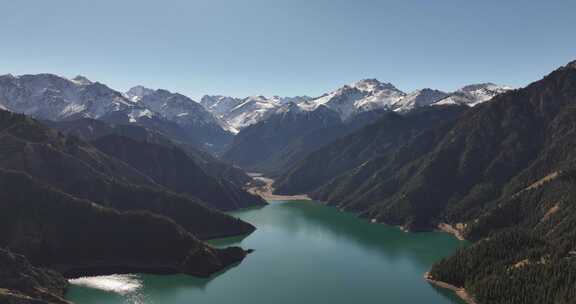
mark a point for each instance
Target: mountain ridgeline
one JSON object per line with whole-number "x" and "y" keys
{"x": 501, "y": 173}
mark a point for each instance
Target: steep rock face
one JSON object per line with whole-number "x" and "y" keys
{"x": 174, "y": 169}
{"x": 22, "y": 283}
{"x": 77, "y": 237}
{"x": 80, "y": 169}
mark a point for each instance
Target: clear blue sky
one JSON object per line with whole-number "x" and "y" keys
{"x": 290, "y": 47}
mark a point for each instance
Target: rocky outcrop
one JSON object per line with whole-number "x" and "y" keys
{"x": 22, "y": 283}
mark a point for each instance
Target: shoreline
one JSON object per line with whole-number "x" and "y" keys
{"x": 266, "y": 191}
{"x": 460, "y": 292}
{"x": 455, "y": 231}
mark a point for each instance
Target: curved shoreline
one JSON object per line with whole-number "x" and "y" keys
{"x": 460, "y": 292}
{"x": 266, "y": 192}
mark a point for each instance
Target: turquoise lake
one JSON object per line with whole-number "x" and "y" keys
{"x": 304, "y": 253}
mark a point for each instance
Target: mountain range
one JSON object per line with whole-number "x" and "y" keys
{"x": 285, "y": 133}
{"x": 362, "y": 96}
{"x": 80, "y": 161}
{"x": 50, "y": 97}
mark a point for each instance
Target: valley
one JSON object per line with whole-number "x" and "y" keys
{"x": 470, "y": 190}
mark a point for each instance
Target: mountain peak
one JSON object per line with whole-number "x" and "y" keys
{"x": 136, "y": 93}
{"x": 10, "y": 76}
{"x": 372, "y": 84}
{"x": 81, "y": 80}
{"x": 478, "y": 86}
{"x": 571, "y": 65}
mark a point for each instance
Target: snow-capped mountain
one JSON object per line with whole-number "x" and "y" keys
{"x": 475, "y": 94}
{"x": 250, "y": 111}
{"x": 173, "y": 106}
{"x": 202, "y": 125}
{"x": 220, "y": 105}
{"x": 348, "y": 101}
{"x": 242, "y": 112}
{"x": 136, "y": 93}
{"x": 53, "y": 97}
{"x": 418, "y": 98}
{"x": 362, "y": 96}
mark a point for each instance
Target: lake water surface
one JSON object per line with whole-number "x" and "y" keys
{"x": 304, "y": 253}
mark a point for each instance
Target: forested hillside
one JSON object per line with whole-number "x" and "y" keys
{"x": 501, "y": 174}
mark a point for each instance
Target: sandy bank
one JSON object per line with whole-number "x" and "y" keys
{"x": 266, "y": 191}
{"x": 456, "y": 231}
{"x": 460, "y": 292}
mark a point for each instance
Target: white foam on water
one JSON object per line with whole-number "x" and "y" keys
{"x": 118, "y": 283}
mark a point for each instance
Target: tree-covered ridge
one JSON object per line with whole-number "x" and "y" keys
{"x": 75, "y": 237}
{"x": 390, "y": 131}
{"x": 172, "y": 168}
{"x": 80, "y": 169}
{"x": 91, "y": 129}
{"x": 513, "y": 266}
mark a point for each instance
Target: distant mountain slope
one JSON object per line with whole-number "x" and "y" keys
{"x": 288, "y": 135}
{"x": 174, "y": 169}
{"x": 91, "y": 129}
{"x": 388, "y": 132}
